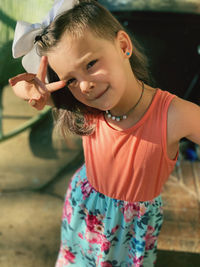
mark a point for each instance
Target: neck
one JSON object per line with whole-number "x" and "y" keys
{"x": 129, "y": 97}
{"x": 125, "y": 115}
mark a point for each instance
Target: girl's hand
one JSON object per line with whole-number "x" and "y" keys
{"x": 32, "y": 87}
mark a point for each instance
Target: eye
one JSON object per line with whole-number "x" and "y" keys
{"x": 70, "y": 81}
{"x": 91, "y": 64}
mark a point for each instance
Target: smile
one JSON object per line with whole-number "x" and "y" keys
{"x": 101, "y": 94}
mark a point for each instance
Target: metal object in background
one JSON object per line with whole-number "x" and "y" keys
{"x": 177, "y": 6}
{"x": 10, "y": 12}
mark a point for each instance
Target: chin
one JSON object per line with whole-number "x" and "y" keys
{"x": 103, "y": 106}
{"x": 106, "y": 107}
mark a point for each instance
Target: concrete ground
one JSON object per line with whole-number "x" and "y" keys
{"x": 35, "y": 171}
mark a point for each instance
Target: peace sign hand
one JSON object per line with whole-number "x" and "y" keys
{"x": 32, "y": 87}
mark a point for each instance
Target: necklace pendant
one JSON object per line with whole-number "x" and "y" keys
{"x": 115, "y": 118}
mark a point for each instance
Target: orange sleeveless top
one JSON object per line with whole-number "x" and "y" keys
{"x": 132, "y": 164}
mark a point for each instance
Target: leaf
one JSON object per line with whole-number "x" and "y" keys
{"x": 145, "y": 220}
{"x": 101, "y": 196}
{"x": 140, "y": 225}
{"x": 81, "y": 212}
{"x": 73, "y": 202}
{"x": 115, "y": 239}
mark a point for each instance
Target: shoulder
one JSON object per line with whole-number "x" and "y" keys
{"x": 183, "y": 119}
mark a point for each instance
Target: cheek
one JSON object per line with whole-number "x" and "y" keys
{"x": 112, "y": 76}
{"x": 78, "y": 95}
{"x": 100, "y": 76}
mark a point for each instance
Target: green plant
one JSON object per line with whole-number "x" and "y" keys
{"x": 10, "y": 12}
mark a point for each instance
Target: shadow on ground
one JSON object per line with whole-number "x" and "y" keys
{"x": 177, "y": 259}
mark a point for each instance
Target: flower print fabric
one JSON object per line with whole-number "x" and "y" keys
{"x": 101, "y": 231}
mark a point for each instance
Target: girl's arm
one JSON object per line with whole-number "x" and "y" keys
{"x": 32, "y": 87}
{"x": 184, "y": 121}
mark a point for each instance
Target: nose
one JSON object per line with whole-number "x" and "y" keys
{"x": 86, "y": 86}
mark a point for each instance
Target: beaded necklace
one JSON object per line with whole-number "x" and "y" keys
{"x": 123, "y": 117}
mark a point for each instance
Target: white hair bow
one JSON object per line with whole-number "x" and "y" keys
{"x": 25, "y": 33}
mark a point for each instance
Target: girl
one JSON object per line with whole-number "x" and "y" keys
{"x": 112, "y": 214}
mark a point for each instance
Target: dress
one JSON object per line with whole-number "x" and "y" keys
{"x": 105, "y": 231}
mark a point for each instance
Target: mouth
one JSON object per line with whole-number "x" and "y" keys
{"x": 102, "y": 93}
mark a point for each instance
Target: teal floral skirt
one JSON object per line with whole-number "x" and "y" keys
{"x": 101, "y": 231}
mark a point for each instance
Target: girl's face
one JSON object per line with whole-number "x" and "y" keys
{"x": 96, "y": 70}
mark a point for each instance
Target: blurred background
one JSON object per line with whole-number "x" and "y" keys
{"x": 36, "y": 164}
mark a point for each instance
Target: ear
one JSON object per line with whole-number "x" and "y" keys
{"x": 124, "y": 43}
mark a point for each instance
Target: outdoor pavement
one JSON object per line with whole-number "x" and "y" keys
{"x": 36, "y": 167}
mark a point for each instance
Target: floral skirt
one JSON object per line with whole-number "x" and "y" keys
{"x": 101, "y": 231}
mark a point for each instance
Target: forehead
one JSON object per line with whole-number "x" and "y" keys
{"x": 71, "y": 51}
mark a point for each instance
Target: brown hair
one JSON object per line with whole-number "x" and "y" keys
{"x": 87, "y": 14}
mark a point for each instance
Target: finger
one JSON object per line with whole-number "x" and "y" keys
{"x": 41, "y": 87}
{"x": 42, "y": 71}
{"x": 32, "y": 102}
{"x": 52, "y": 87}
{"x": 38, "y": 104}
{"x": 21, "y": 77}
